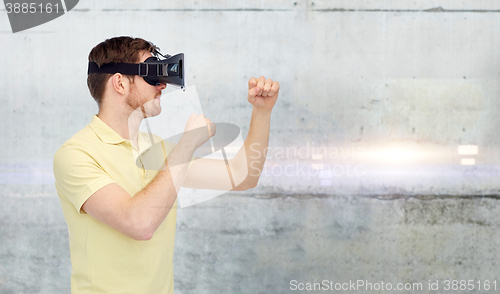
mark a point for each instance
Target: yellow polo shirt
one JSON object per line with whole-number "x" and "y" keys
{"x": 103, "y": 259}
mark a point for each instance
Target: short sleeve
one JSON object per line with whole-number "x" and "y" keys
{"x": 78, "y": 175}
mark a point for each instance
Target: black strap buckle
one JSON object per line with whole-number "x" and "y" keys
{"x": 147, "y": 69}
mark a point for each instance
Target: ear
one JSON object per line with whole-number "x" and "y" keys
{"x": 120, "y": 83}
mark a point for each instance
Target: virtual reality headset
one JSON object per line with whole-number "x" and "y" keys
{"x": 155, "y": 71}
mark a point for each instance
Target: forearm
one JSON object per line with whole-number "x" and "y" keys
{"x": 251, "y": 159}
{"x": 149, "y": 207}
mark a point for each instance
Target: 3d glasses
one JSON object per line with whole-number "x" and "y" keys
{"x": 155, "y": 71}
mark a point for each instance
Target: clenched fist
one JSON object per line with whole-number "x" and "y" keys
{"x": 262, "y": 93}
{"x": 199, "y": 129}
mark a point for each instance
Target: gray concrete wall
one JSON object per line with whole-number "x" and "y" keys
{"x": 387, "y": 89}
{"x": 237, "y": 244}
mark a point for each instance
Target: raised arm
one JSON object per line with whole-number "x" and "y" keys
{"x": 262, "y": 94}
{"x": 246, "y": 166}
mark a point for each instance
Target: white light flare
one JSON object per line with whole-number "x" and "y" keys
{"x": 468, "y": 149}
{"x": 468, "y": 161}
{"x": 398, "y": 155}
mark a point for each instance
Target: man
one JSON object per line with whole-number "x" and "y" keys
{"x": 121, "y": 217}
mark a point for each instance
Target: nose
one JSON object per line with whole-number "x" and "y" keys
{"x": 161, "y": 86}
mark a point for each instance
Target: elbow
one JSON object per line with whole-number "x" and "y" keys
{"x": 245, "y": 177}
{"x": 251, "y": 181}
{"x": 140, "y": 231}
{"x": 246, "y": 185}
{"x": 142, "y": 226}
{"x": 143, "y": 236}
{"x": 252, "y": 185}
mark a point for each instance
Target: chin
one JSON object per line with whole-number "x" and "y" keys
{"x": 157, "y": 113}
{"x": 153, "y": 112}
{"x": 152, "y": 108}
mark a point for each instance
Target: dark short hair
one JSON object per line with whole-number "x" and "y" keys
{"x": 114, "y": 50}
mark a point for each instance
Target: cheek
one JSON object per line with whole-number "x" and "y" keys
{"x": 134, "y": 99}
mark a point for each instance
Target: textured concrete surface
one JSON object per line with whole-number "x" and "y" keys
{"x": 416, "y": 77}
{"x": 363, "y": 172}
{"x": 241, "y": 244}
{"x": 255, "y": 245}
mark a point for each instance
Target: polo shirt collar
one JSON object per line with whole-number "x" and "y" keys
{"x": 104, "y": 132}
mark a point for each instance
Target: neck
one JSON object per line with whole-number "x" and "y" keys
{"x": 125, "y": 123}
